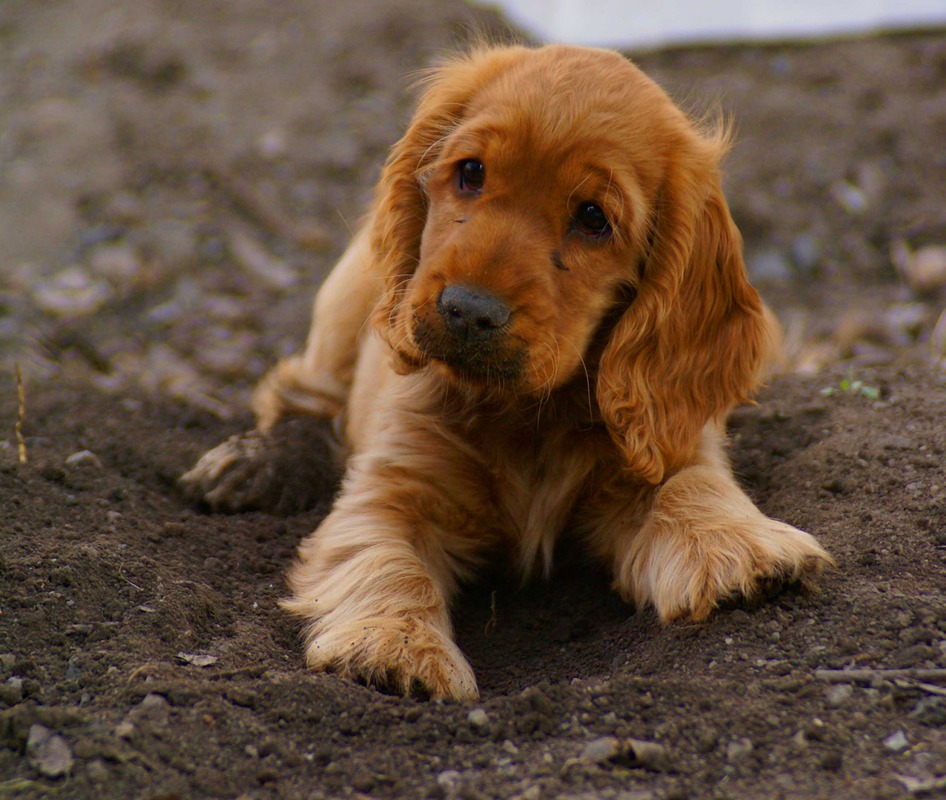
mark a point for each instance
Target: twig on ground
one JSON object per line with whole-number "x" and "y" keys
{"x": 20, "y": 414}
{"x": 868, "y": 675}
{"x": 491, "y": 622}
{"x": 150, "y": 670}
{"x": 130, "y": 583}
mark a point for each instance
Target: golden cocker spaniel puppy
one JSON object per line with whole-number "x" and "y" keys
{"x": 538, "y": 332}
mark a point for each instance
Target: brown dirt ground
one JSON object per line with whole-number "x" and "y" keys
{"x": 143, "y": 143}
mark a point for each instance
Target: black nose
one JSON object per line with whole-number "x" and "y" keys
{"x": 471, "y": 314}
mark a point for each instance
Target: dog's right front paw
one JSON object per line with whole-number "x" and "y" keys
{"x": 284, "y": 470}
{"x": 402, "y": 655}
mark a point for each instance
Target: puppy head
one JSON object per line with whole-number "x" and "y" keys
{"x": 551, "y": 216}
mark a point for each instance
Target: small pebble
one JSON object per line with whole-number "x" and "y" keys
{"x": 363, "y": 782}
{"x": 850, "y": 197}
{"x": 449, "y": 781}
{"x": 152, "y": 712}
{"x": 479, "y": 719}
{"x": 71, "y": 293}
{"x": 197, "y": 659}
{"x": 11, "y": 692}
{"x": 650, "y": 755}
{"x": 84, "y": 458}
{"x": 154, "y": 708}
{"x": 905, "y": 321}
{"x": 97, "y": 771}
{"x": 510, "y": 748}
{"x": 532, "y": 793}
{"x": 840, "y": 694}
{"x": 924, "y": 270}
{"x": 600, "y": 750}
{"x": 738, "y": 750}
{"x": 48, "y": 752}
{"x": 896, "y": 742}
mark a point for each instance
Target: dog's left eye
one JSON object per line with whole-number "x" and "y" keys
{"x": 590, "y": 220}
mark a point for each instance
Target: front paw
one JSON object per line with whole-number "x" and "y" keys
{"x": 697, "y": 550}
{"x": 402, "y": 655}
{"x": 285, "y": 470}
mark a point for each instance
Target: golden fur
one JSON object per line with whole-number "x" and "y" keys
{"x": 592, "y": 403}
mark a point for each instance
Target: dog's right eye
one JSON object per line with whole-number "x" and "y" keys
{"x": 472, "y": 175}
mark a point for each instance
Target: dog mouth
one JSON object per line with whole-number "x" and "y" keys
{"x": 480, "y": 362}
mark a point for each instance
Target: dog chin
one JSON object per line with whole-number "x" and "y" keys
{"x": 469, "y": 364}
{"x": 478, "y": 373}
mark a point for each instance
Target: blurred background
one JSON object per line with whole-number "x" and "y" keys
{"x": 176, "y": 178}
{"x": 631, "y": 24}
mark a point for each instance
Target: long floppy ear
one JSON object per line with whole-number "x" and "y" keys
{"x": 400, "y": 210}
{"x": 692, "y": 343}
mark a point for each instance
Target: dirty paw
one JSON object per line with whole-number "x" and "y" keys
{"x": 403, "y": 656}
{"x": 739, "y": 562}
{"x": 705, "y": 543}
{"x": 284, "y": 470}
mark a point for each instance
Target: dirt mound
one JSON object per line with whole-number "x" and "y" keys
{"x": 146, "y": 634}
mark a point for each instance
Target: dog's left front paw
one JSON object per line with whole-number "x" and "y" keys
{"x": 723, "y": 565}
{"x": 698, "y": 550}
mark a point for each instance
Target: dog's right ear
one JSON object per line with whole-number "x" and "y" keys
{"x": 400, "y": 209}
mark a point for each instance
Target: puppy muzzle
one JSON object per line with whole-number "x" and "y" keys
{"x": 469, "y": 332}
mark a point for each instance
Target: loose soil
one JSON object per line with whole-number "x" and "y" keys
{"x": 176, "y": 178}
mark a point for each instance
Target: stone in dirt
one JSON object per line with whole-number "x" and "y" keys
{"x": 48, "y": 752}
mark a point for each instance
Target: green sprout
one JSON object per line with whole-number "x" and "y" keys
{"x": 851, "y": 385}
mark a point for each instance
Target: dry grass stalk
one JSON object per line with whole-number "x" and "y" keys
{"x": 20, "y": 414}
